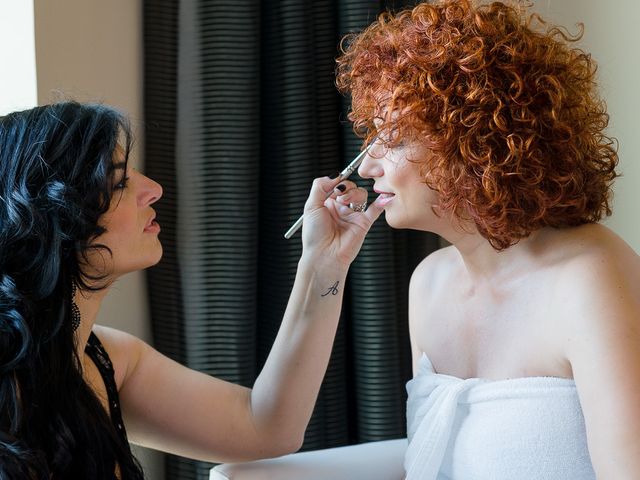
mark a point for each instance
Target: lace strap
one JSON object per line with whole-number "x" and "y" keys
{"x": 100, "y": 357}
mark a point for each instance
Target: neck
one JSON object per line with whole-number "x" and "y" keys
{"x": 485, "y": 265}
{"x": 89, "y": 306}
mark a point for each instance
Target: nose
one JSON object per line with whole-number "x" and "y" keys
{"x": 365, "y": 167}
{"x": 152, "y": 191}
{"x": 370, "y": 166}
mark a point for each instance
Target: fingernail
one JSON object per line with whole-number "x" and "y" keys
{"x": 342, "y": 187}
{"x": 335, "y": 175}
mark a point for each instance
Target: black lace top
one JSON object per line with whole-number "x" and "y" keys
{"x": 99, "y": 356}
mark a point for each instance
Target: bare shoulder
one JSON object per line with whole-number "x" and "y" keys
{"x": 597, "y": 262}
{"x": 599, "y": 288}
{"x": 123, "y": 349}
{"x": 434, "y": 269}
{"x": 429, "y": 282}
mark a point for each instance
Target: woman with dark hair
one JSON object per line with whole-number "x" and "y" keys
{"x": 525, "y": 331}
{"x": 74, "y": 216}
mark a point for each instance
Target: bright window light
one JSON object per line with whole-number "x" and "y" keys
{"x": 18, "y": 87}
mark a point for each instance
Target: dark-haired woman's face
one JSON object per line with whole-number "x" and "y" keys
{"x": 131, "y": 229}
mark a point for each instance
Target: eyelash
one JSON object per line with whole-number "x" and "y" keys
{"x": 122, "y": 185}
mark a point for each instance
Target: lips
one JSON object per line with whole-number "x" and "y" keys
{"x": 152, "y": 225}
{"x": 383, "y": 197}
{"x": 152, "y": 219}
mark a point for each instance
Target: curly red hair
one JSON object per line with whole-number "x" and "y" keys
{"x": 510, "y": 113}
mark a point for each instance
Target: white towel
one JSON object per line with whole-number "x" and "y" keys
{"x": 519, "y": 429}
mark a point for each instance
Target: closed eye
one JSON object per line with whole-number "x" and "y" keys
{"x": 122, "y": 184}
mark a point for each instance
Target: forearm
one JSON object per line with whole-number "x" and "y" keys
{"x": 285, "y": 392}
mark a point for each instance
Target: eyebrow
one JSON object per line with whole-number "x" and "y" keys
{"x": 117, "y": 166}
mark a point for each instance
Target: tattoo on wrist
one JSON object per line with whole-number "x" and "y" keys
{"x": 333, "y": 289}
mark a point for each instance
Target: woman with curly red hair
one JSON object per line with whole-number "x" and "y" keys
{"x": 526, "y": 330}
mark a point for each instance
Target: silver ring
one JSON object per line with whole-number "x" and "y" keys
{"x": 358, "y": 207}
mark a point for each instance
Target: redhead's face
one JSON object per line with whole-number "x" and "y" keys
{"x": 131, "y": 229}
{"x": 408, "y": 201}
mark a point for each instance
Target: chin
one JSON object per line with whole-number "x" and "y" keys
{"x": 404, "y": 224}
{"x": 394, "y": 222}
{"x": 151, "y": 259}
{"x": 156, "y": 259}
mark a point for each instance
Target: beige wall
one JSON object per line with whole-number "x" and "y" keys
{"x": 91, "y": 50}
{"x": 611, "y": 35}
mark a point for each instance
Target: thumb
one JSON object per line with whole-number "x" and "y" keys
{"x": 373, "y": 211}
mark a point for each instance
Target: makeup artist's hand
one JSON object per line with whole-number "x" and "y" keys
{"x": 331, "y": 229}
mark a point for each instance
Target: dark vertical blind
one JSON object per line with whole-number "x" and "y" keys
{"x": 257, "y": 120}
{"x": 160, "y": 110}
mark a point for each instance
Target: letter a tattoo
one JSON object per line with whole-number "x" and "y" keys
{"x": 333, "y": 289}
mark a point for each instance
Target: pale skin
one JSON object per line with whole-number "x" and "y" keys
{"x": 169, "y": 407}
{"x": 562, "y": 303}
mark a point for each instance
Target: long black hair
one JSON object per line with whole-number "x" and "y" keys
{"x": 56, "y": 177}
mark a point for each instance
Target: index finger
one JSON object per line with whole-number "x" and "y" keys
{"x": 320, "y": 188}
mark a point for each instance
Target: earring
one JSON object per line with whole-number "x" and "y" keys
{"x": 75, "y": 311}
